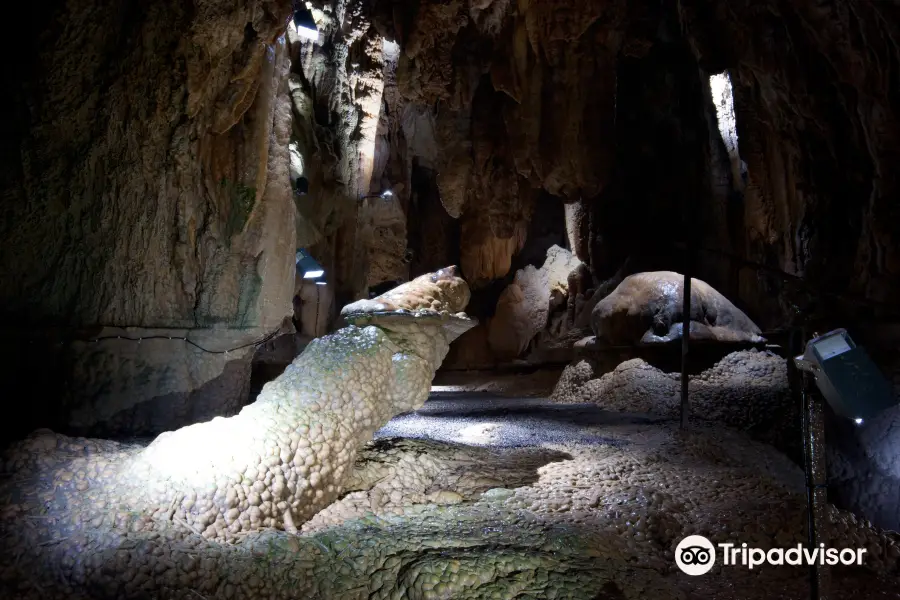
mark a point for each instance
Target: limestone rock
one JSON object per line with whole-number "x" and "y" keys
{"x": 316, "y": 306}
{"x": 471, "y": 351}
{"x": 276, "y": 463}
{"x": 485, "y": 256}
{"x": 122, "y": 385}
{"x": 524, "y": 305}
{"x": 337, "y": 105}
{"x": 149, "y": 196}
{"x": 441, "y": 292}
{"x": 577, "y": 229}
{"x": 790, "y": 134}
{"x": 176, "y": 214}
{"x": 598, "y": 514}
{"x": 382, "y": 232}
{"x": 646, "y": 308}
{"x": 573, "y": 378}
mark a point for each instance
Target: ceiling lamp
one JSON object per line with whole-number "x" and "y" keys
{"x": 304, "y": 23}
{"x": 307, "y": 265}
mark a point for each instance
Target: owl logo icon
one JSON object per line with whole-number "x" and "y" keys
{"x": 695, "y": 555}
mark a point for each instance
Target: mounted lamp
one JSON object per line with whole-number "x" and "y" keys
{"x": 309, "y": 266}
{"x": 846, "y": 376}
{"x": 304, "y": 23}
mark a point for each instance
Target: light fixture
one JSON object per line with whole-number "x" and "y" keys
{"x": 385, "y": 194}
{"x": 304, "y": 23}
{"x": 307, "y": 265}
{"x": 846, "y": 376}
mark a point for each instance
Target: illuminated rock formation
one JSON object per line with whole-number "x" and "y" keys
{"x": 284, "y": 457}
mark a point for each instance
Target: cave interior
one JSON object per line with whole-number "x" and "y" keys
{"x": 386, "y": 298}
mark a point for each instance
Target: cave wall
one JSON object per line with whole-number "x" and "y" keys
{"x": 816, "y": 96}
{"x": 482, "y": 107}
{"x": 148, "y": 197}
{"x": 659, "y": 188}
{"x": 817, "y": 99}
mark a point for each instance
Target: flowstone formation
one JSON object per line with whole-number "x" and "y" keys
{"x": 279, "y": 461}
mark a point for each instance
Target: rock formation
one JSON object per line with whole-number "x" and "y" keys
{"x": 524, "y": 305}
{"x": 282, "y": 458}
{"x": 602, "y": 515}
{"x": 149, "y": 199}
{"x": 646, "y": 308}
{"x": 818, "y": 192}
{"x": 314, "y": 308}
{"x": 474, "y": 113}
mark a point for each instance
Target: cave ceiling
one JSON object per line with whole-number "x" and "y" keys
{"x": 605, "y": 107}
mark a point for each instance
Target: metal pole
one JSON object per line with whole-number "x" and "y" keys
{"x": 810, "y": 486}
{"x": 685, "y": 342}
{"x": 816, "y": 493}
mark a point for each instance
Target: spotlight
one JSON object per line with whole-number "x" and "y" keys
{"x": 846, "y": 376}
{"x": 307, "y": 265}
{"x": 304, "y": 23}
{"x": 385, "y": 194}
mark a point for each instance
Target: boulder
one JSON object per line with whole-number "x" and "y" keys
{"x": 646, "y": 308}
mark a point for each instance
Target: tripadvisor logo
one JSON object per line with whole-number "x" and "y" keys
{"x": 696, "y": 555}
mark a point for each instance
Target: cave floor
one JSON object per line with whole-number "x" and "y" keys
{"x": 481, "y": 496}
{"x": 487, "y": 419}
